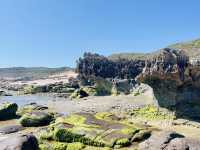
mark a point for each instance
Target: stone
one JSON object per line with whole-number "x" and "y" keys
{"x": 19, "y": 142}
{"x": 100, "y": 130}
{"x": 35, "y": 119}
{"x": 10, "y": 129}
{"x": 8, "y": 110}
{"x": 183, "y": 144}
{"x": 159, "y": 141}
{"x": 30, "y": 108}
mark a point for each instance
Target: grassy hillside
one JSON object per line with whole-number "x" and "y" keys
{"x": 30, "y": 73}
{"x": 191, "y": 48}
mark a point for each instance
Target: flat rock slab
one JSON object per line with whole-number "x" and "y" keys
{"x": 108, "y": 131}
{"x": 10, "y": 129}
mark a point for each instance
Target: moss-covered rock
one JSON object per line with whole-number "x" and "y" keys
{"x": 79, "y": 93}
{"x": 8, "y": 110}
{"x": 53, "y": 146}
{"x": 30, "y": 108}
{"x": 35, "y": 119}
{"x": 151, "y": 112}
{"x": 100, "y": 130}
{"x": 90, "y": 90}
{"x": 103, "y": 87}
{"x": 75, "y": 146}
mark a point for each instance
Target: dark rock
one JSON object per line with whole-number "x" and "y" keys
{"x": 8, "y": 110}
{"x": 19, "y": 142}
{"x": 10, "y": 129}
{"x": 79, "y": 93}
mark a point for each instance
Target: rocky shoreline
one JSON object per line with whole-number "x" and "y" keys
{"x": 106, "y": 114}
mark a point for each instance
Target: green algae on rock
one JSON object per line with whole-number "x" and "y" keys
{"x": 79, "y": 93}
{"x": 53, "y": 146}
{"x": 91, "y": 130}
{"x": 151, "y": 112}
{"x": 35, "y": 119}
{"x": 75, "y": 146}
{"x": 30, "y": 108}
{"x": 8, "y": 110}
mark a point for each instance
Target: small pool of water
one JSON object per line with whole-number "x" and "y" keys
{"x": 20, "y": 100}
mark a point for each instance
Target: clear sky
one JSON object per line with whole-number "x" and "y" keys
{"x": 55, "y": 33}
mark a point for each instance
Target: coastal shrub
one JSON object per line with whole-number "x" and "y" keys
{"x": 8, "y": 110}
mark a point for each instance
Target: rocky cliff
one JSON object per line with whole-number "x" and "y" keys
{"x": 175, "y": 79}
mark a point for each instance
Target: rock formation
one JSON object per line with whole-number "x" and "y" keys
{"x": 176, "y": 82}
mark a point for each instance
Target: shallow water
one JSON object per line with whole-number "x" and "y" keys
{"x": 43, "y": 99}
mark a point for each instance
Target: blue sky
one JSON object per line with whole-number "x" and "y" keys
{"x": 55, "y": 33}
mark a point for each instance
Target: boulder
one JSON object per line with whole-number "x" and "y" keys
{"x": 8, "y": 110}
{"x": 79, "y": 93}
{"x": 19, "y": 142}
{"x": 35, "y": 119}
{"x": 183, "y": 144}
{"x": 30, "y": 108}
{"x": 159, "y": 141}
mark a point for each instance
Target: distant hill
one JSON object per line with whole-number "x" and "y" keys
{"x": 191, "y": 48}
{"x": 23, "y": 73}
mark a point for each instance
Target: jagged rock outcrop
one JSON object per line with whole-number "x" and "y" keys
{"x": 175, "y": 80}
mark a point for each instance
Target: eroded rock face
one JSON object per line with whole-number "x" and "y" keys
{"x": 175, "y": 81}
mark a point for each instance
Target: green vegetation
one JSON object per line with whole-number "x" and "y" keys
{"x": 191, "y": 48}
{"x": 53, "y": 146}
{"x": 75, "y": 146}
{"x": 83, "y": 129}
{"x": 129, "y": 56}
{"x": 151, "y": 112}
